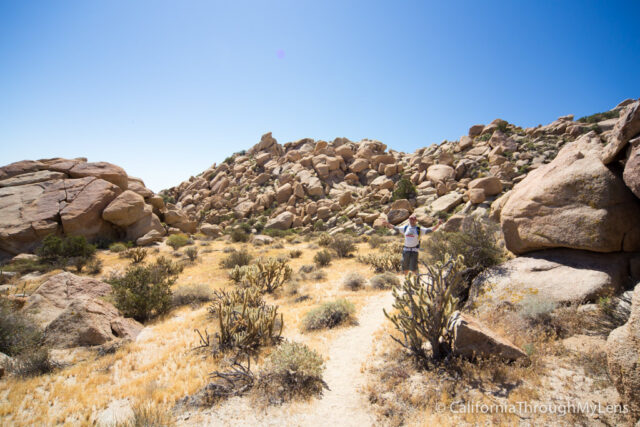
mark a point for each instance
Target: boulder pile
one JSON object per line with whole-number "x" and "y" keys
{"x": 97, "y": 200}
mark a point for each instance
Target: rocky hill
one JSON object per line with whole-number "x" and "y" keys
{"x": 350, "y": 185}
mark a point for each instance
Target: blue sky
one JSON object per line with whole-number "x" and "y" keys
{"x": 166, "y": 88}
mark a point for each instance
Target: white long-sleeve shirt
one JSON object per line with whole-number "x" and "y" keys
{"x": 412, "y": 235}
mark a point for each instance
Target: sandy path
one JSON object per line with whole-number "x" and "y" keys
{"x": 343, "y": 405}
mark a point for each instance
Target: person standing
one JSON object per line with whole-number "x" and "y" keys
{"x": 411, "y": 248}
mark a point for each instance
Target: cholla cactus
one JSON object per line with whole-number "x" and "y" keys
{"x": 246, "y": 326}
{"x": 425, "y": 304}
{"x": 266, "y": 274}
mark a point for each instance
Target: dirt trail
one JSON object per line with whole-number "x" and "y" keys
{"x": 343, "y": 405}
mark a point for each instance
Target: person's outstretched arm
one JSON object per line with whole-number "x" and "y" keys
{"x": 426, "y": 230}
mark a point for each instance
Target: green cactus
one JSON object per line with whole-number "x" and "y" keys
{"x": 425, "y": 305}
{"x": 245, "y": 321}
{"x": 266, "y": 274}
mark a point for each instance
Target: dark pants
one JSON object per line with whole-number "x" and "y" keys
{"x": 410, "y": 261}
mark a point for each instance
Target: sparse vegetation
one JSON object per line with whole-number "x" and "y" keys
{"x": 295, "y": 253}
{"x": 329, "y": 315}
{"x": 424, "y": 306}
{"x": 192, "y": 294}
{"x": 236, "y": 258}
{"x": 266, "y": 274}
{"x": 178, "y": 240}
{"x": 293, "y": 370}
{"x": 598, "y": 117}
{"x": 245, "y": 322}
{"x": 343, "y": 245}
{"x": 239, "y": 235}
{"x": 477, "y": 242}
{"x": 385, "y": 280}
{"x": 136, "y": 255}
{"x": 22, "y": 339}
{"x": 322, "y": 258}
{"x": 404, "y": 189}
{"x": 64, "y": 251}
{"x": 118, "y": 247}
{"x": 144, "y": 291}
{"x": 191, "y": 253}
{"x": 353, "y": 281}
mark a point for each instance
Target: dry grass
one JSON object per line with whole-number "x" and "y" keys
{"x": 159, "y": 368}
{"x": 403, "y": 393}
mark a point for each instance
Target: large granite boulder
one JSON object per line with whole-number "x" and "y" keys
{"x": 473, "y": 339}
{"x": 282, "y": 221}
{"x": 73, "y": 312}
{"x": 555, "y": 275}
{"x": 103, "y": 170}
{"x": 627, "y": 127}
{"x": 631, "y": 174}
{"x": 125, "y": 209}
{"x": 574, "y": 202}
{"x": 56, "y": 293}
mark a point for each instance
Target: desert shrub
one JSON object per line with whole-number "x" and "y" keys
{"x": 385, "y": 280}
{"x": 266, "y": 274}
{"x": 318, "y": 225}
{"x": 385, "y": 261}
{"x": 328, "y": 315}
{"x": 191, "y": 253}
{"x": 306, "y": 268}
{"x": 236, "y": 258}
{"x": 291, "y": 287}
{"x": 136, "y": 255}
{"x": 318, "y": 275}
{"x": 61, "y": 251}
{"x": 177, "y": 241}
{"x": 149, "y": 415}
{"x": 598, "y": 117}
{"x": 117, "y": 247}
{"x": 295, "y": 253}
{"x": 536, "y": 309}
{"x": 353, "y": 281}
{"x": 424, "y": 306}
{"x": 33, "y": 361}
{"x": 404, "y": 189}
{"x": 322, "y": 258}
{"x": 343, "y": 245}
{"x": 21, "y": 339}
{"x": 292, "y": 370}
{"x": 192, "y": 294}
{"x": 375, "y": 241}
{"x": 325, "y": 240}
{"x": 239, "y": 235}
{"x": 144, "y": 291}
{"x": 94, "y": 266}
{"x": 477, "y": 243}
{"x": 18, "y": 332}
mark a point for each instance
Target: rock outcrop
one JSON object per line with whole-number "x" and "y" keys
{"x": 573, "y": 202}
{"x": 557, "y": 275}
{"x": 73, "y": 313}
{"x": 473, "y": 339}
{"x": 72, "y": 197}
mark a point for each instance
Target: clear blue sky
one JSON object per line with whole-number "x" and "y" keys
{"x": 166, "y": 88}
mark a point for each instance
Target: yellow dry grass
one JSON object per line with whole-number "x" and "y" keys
{"x": 159, "y": 368}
